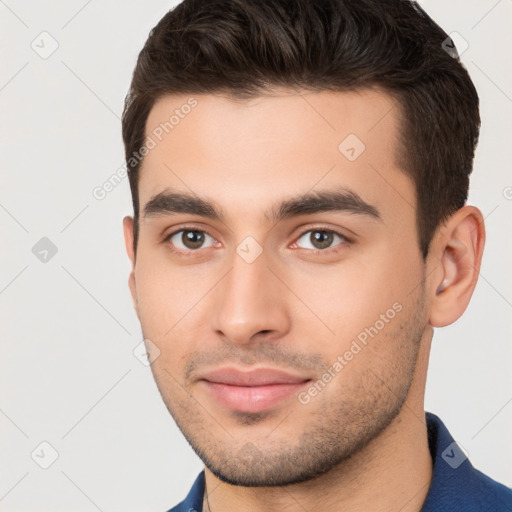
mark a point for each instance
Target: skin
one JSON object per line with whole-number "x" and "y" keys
{"x": 364, "y": 435}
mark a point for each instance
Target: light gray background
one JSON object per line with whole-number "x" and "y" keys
{"x": 68, "y": 374}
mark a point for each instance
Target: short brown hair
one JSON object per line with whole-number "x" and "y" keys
{"x": 244, "y": 48}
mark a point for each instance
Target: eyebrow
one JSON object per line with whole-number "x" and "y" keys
{"x": 340, "y": 200}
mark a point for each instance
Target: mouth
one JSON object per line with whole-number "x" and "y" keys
{"x": 251, "y": 392}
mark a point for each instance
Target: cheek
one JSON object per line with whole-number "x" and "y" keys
{"x": 353, "y": 295}
{"x": 154, "y": 295}
{"x": 365, "y": 301}
{"x": 174, "y": 308}
{"x": 165, "y": 303}
{"x": 165, "y": 294}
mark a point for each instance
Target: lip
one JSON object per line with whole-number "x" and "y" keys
{"x": 251, "y": 391}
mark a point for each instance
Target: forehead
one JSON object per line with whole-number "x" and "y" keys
{"x": 247, "y": 154}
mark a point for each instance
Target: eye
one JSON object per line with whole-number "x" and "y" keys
{"x": 320, "y": 239}
{"x": 187, "y": 240}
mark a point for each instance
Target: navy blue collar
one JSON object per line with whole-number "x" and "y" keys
{"x": 456, "y": 485}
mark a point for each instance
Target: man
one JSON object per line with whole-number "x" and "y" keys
{"x": 299, "y": 172}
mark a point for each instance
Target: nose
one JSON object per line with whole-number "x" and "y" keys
{"x": 251, "y": 302}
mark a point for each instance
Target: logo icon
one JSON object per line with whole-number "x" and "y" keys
{"x": 249, "y": 249}
{"x": 351, "y": 147}
{"x": 44, "y": 455}
{"x": 44, "y": 250}
{"x": 45, "y": 45}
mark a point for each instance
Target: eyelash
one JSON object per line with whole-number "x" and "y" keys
{"x": 191, "y": 253}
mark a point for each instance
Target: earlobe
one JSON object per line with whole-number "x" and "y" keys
{"x": 459, "y": 251}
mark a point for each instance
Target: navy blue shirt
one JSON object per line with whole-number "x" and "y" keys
{"x": 456, "y": 485}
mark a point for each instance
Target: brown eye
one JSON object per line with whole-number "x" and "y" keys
{"x": 189, "y": 239}
{"x": 319, "y": 239}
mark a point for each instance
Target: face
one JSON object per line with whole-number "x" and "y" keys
{"x": 278, "y": 277}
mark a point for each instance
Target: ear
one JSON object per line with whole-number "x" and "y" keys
{"x": 455, "y": 258}
{"x": 130, "y": 249}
